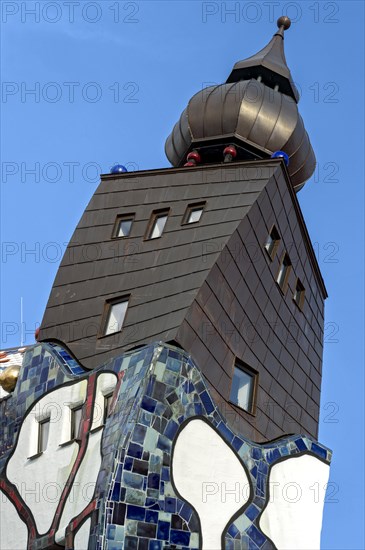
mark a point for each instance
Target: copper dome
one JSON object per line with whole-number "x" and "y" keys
{"x": 256, "y": 107}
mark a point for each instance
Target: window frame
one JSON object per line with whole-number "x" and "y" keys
{"x": 106, "y": 313}
{"x": 289, "y": 266}
{"x": 299, "y": 302}
{"x": 73, "y": 435}
{"x": 118, "y": 220}
{"x": 271, "y": 255}
{"x": 161, "y": 212}
{"x": 108, "y": 399}
{"x": 41, "y": 423}
{"x": 190, "y": 208}
{"x": 242, "y": 366}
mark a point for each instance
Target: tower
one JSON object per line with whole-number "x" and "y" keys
{"x": 182, "y": 342}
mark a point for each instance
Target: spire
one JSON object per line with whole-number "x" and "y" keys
{"x": 269, "y": 64}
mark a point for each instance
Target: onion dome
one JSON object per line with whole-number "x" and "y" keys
{"x": 255, "y": 111}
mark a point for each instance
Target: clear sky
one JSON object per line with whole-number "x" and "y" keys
{"x": 88, "y": 84}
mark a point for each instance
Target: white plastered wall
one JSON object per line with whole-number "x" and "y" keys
{"x": 208, "y": 475}
{"x": 293, "y": 516}
{"x": 40, "y": 480}
{"x": 105, "y": 385}
{"x": 84, "y": 485}
{"x": 82, "y": 536}
{"x": 11, "y": 525}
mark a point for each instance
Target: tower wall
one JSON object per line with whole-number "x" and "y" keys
{"x": 240, "y": 312}
{"x": 163, "y": 275}
{"x": 210, "y": 287}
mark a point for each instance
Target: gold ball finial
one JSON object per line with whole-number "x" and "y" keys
{"x": 284, "y": 21}
{"x": 9, "y": 378}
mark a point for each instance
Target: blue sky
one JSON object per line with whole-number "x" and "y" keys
{"x": 109, "y": 80}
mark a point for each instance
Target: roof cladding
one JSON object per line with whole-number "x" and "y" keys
{"x": 162, "y": 276}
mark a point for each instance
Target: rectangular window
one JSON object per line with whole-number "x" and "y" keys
{"x": 193, "y": 213}
{"x": 43, "y": 435}
{"x": 157, "y": 224}
{"x": 76, "y": 417}
{"x": 114, "y": 318}
{"x": 284, "y": 271}
{"x": 243, "y": 387}
{"x": 272, "y": 243}
{"x": 299, "y": 294}
{"x": 107, "y": 403}
{"x": 122, "y": 226}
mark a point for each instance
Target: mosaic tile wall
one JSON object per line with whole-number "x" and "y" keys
{"x": 135, "y": 504}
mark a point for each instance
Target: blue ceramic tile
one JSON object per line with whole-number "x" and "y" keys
{"x": 154, "y": 545}
{"x": 208, "y": 405}
{"x": 256, "y": 535}
{"x": 151, "y": 516}
{"x": 139, "y": 433}
{"x": 163, "y": 530}
{"x": 148, "y": 404}
{"x": 135, "y": 450}
{"x": 136, "y": 512}
{"x": 273, "y": 455}
{"x": 170, "y": 505}
{"x": 301, "y": 445}
{"x": 154, "y": 481}
{"x": 171, "y": 429}
{"x": 128, "y": 463}
{"x": 319, "y": 451}
{"x": 252, "y": 512}
{"x": 233, "y": 531}
{"x": 256, "y": 453}
{"x": 179, "y": 537}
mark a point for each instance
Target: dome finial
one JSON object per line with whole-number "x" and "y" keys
{"x": 283, "y": 24}
{"x": 283, "y": 21}
{"x": 269, "y": 64}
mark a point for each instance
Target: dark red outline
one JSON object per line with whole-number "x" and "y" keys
{"x": 84, "y": 433}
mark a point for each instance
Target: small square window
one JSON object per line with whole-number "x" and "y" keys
{"x": 157, "y": 224}
{"x": 272, "y": 242}
{"x": 299, "y": 294}
{"x": 115, "y": 315}
{"x": 284, "y": 271}
{"x": 243, "y": 387}
{"x": 43, "y": 435}
{"x": 122, "y": 226}
{"x": 193, "y": 213}
{"x": 76, "y": 417}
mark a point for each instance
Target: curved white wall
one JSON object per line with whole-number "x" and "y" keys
{"x": 40, "y": 480}
{"x": 82, "y": 536}
{"x": 84, "y": 485}
{"x": 208, "y": 474}
{"x": 10, "y": 525}
{"x": 105, "y": 385}
{"x": 293, "y": 517}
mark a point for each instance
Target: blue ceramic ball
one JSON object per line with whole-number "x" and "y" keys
{"x": 282, "y": 155}
{"x": 118, "y": 169}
